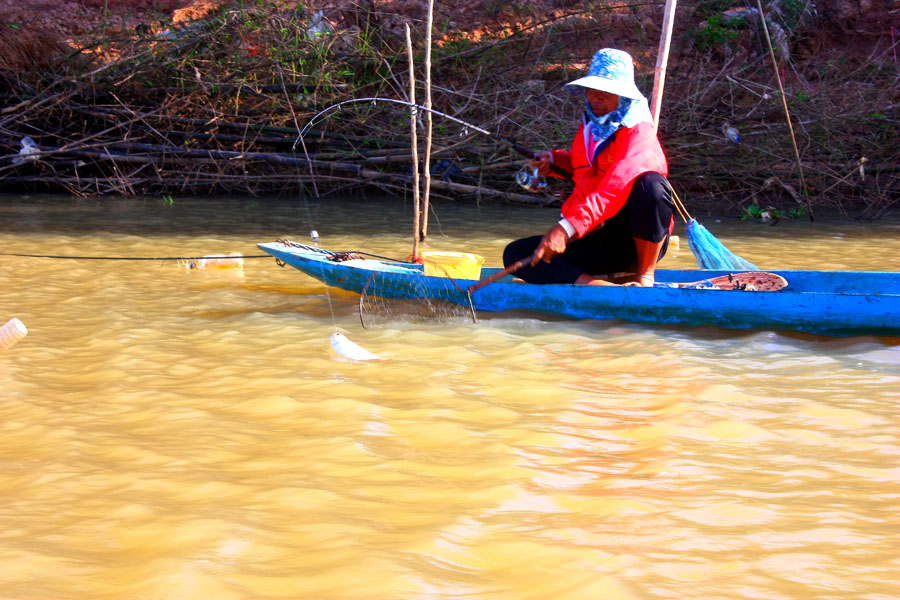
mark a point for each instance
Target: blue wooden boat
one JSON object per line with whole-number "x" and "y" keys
{"x": 833, "y": 303}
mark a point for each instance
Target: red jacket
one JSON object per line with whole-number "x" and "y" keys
{"x": 602, "y": 188}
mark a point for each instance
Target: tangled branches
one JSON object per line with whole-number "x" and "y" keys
{"x": 216, "y": 106}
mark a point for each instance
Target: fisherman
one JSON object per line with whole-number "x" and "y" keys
{"x": 615, "y": 225}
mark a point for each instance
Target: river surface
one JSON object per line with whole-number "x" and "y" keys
{"x": 168, "y": 433}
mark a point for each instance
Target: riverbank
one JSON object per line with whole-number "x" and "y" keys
{"x": 155, "y": 103}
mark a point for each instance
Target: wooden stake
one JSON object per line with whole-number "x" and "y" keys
{"x": 427, "y": 166}
{"x": 662, "y": 59}
{"x": 415, "y": 149}
{"x": 787, "y": 113}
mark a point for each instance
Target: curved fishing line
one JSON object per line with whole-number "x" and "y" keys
{"x": 317, "y": 118}
{"x": 313, "y": 232}
{"x": 320, "y": 116}
{"x": 336, "y": 338}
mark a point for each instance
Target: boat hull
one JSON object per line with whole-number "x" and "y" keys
{"x": 833, "y": 303}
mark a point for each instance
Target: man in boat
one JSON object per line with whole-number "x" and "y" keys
{"x": 615, "y": 225}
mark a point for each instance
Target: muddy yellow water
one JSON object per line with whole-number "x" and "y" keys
{"x": 175, "y": 434}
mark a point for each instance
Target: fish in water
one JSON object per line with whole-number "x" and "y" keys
{"x": 349, "y": 349}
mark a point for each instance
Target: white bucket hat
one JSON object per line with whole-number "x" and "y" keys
{"x": 611, "y": 71}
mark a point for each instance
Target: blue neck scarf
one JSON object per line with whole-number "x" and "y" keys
{"x": 628, "y": 114}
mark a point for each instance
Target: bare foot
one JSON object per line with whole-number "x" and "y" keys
{"x": 626, "y": 281}
{"x": 633, "y": 280}
{"x": 646, "y": 280}
{"x": 585, "y": 279}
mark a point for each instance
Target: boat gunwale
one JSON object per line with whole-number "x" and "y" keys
{"x": 664, "y": 276}
{"x": 832, "y": 314}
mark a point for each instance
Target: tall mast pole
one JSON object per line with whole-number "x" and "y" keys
{"x": 426, "y": 169}
{"x": 662, "y": 59}
{"x": 413, "y": 114}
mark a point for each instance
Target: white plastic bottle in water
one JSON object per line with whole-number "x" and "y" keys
{"x": 12, "y": 332}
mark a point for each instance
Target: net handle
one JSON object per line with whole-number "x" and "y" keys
{"x": 501, "y": 274}
{"x": 679, "y": 206}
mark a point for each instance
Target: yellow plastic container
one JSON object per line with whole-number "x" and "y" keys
{"x": 458, "y": 265}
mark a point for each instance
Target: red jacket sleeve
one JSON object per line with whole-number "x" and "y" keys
{"x": 563, "y": 160}
{"x": 603, "y": 187}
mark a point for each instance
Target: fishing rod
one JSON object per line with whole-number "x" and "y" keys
{"x": 522, "y": 150}
{"x": 510, "y": 270}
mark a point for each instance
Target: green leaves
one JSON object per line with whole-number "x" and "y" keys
{"x": 771, "y": 214}
{"x": 715, "y": 33}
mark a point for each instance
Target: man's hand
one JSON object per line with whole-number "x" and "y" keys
{"x": 542, "y": 161}
{"x": 553, "y": 244}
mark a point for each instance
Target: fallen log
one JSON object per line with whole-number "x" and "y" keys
{"x": 482, "y": 191}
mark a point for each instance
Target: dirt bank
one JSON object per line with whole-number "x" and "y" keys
{"x": 153, "y": 102}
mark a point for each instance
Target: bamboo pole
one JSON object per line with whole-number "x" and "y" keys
{"x": 415, "y": 145}
{"x": 428, "y": 121}
{"x": 662, "y": 60}
{"x": 787, "y": 113}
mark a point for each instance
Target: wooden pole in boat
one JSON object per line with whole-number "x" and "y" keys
{"x": 413, "y": 112}
{"x": 662, "y": 60}
{"x": 427, "y": 167}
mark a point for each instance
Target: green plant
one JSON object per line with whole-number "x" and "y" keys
{"x": 715, "y": 33}
{"x": 792, "y": 12}
{"x": 772, "y": 214}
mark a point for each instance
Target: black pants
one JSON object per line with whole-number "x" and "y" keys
{"x": 610, "y": 247}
